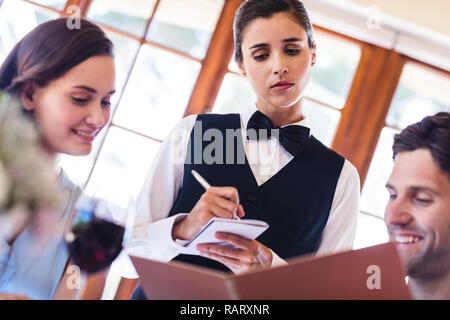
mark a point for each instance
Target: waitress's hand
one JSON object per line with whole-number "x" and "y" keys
{"x": 222, "y": 202}
{"x": 248, "y": 254}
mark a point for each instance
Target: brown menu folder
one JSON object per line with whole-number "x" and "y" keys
{"x": 369, "y": 273}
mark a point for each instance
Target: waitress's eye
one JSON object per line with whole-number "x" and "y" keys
{"x": 292, "y": 52}
{"x": 261, "y": 57}
{"x": 80, "y": 100}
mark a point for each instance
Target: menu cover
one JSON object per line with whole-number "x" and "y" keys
{"x": 370, "y": 273}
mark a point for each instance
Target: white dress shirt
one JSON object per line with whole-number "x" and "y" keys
{"x": 152, "y": 234}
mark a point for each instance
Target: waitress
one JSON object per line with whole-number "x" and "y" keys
{"x": 273, "y": 170}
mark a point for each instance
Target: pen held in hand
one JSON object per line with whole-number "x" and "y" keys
{"x": 201, "y": 180}
{"x": 206, "y": 186}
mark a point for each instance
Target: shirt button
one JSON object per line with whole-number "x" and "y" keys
{"x": 251, "y": 197}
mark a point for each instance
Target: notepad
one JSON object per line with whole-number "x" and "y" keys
{"x": 247, "y": 228}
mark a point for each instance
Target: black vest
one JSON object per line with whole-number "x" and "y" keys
{"x": 295, "y": 202}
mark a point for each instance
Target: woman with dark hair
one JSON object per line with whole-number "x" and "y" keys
{"x": 306, "y": 192}
{"x": 65, "y": 79}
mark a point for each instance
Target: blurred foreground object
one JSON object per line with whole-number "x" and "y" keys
{"x": 95, "y": 240}
{"x": 28, "y": 183}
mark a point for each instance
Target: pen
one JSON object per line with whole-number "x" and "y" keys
{"x": 206, "y": 185}
{"x": 201, "y": 180}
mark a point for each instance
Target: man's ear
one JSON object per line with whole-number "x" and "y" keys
{"x": 313, "y": 53}
{"x": 26, "y": 96}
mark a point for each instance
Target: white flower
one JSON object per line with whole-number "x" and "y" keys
{"x": 26, "y": 173}
{"x": 4, "y": 185}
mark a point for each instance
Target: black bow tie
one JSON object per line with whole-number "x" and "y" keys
{"x": 293, "y": 138}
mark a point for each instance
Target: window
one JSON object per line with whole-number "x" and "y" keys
{"x": 235, "y": 95}
{"x": 416, "y": 99}
{"x": 131, "y": 18}
{"x": 122, "y": 166}
{"x": 159, "y": 47}
{"x": 155, "y": 77}
{"x": 57, "y": 4}
{"x": 413, "y": 100}
{"x": 159, "y": 88}
{"x": 186, "y": 25}
{"x": 335, "y": 67}
{"x": 17, "y": 18}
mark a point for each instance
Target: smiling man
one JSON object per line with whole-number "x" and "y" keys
{"x": 418, "y": 213}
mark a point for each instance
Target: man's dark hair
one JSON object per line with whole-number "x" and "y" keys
{"x": 433, "y": 134}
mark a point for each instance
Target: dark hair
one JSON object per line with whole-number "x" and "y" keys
{"x": 49, "y": 51}
{"x": 253, "y": 9}
{"x": 433, "y": 134}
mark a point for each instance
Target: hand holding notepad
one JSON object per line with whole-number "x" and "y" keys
{"x": 218, "y": 210}
{"x": 246, "y": 228}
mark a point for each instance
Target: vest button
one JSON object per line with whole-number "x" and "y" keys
{"x": 251, "y": 197}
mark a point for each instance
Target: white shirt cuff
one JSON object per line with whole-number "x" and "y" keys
{"x": 156, "y": 245}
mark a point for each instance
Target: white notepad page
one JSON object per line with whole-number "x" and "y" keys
{"x": 247, "y": 228}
